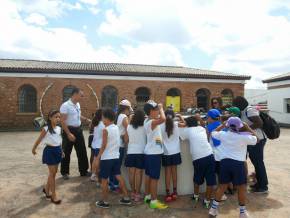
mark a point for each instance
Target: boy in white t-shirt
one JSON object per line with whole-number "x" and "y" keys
{"x": 153, "y": 152}
{"x": 108, "y": 158}
{"x": 202, "y": 156}
{"x": 233, "y": 155}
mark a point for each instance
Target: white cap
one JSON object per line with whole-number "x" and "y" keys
{"x": 127, "y": 103}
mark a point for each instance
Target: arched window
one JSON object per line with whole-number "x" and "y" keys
{"x": 173, "y": 99}
{"x": 66, "y": 92}
{"x": 202, "y": 97}
{"x": 227, "y": 97}
{"x": 142, "y": 96}
{"x": 27, "y": 98}
{"x": 109, "y": 97}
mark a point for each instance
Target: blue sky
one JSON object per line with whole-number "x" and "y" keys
{"x": 243, "y": 36}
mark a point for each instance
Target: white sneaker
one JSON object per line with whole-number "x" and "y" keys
{"x": 93, "y": 178}
{"x": 224, "y": 198}
{"x": 212, "y": 212}
{"x": 244, "y": 215}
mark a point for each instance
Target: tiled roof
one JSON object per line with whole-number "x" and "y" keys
{"x": 117, "y": 69}
{"x": 281, "y": 77}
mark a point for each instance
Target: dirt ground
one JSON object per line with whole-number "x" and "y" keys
{"x": 22, "y": 178}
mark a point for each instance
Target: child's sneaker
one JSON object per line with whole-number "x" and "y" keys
{"x": 244, "y": 215}
{"x": 195, "y": 198}
{"x": 132, "y": 195}
{"x": 102, "y": 204}
{"x": 206, "y": 204}
{"x": 147, "y": 200}
{"x": 174, "y": 196}
{"x": 212, "y": 212}
{"x": 168, "y": 198}
{"x": 93, "y": 178}
{"x": 125, "y": 201}
{"x": 224, "y": 198}
{"x": 137, "y": 198}
{"x": 157, "y": 205}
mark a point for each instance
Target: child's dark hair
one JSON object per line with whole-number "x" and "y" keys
{"x": 121, "y": 109}
{"x": 191, "y": 121}
{"x": 109, "y": 114}
{"x": 240, "y": 102}
{"x": 49, "y": 126}
{"x": 75, "y": 90}
{"x": 169, "y": 124}
{"x": 97, "y": 118}
{"x": 138, "y": 119}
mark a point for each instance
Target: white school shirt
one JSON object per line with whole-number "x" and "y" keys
{"x": 98, "y": 134}
{"x": 137, "y": 140}
{"x": 54, "y": 139}
{"x": 234, "y": 145}
{"x": 252, "y": 112}
{"x": 73, "y": 112}
{"x": 154, "y": 139}
{"x": 122, "y": 129}
{"x": 171, "y": 144}
{"x": 197, "y": 137}
{"x": 113, "y": 143}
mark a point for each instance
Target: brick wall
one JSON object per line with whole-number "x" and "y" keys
{"x": 9, "y": 86}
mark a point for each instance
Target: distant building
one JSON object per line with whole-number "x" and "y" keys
{"x": 279, "y": 97}
{"x": 256, "y": 96}
{"x": 23, "y": 83}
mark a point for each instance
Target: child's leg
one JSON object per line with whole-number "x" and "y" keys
{"x": 174, "y": 178}
{"x": 220, "y": 191}
{"x": 209, "y": 191}
{"x": 104, "y": 190}
{"x": 132, "y": 175}
{"x": 153, "y": 188}
{"x": 147, "y": 185}
{"x": 196, "y": 189}
{"x": 52, "y": 173}
{"x": 167, "y": 178}
{"x": 242, "y": 194}
{"x": 94, "y": 166}
{"x": 138, "y": 180}
{"x": 122, "y": 185}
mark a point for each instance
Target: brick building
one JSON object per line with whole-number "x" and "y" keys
{"x": 23, "y": 83}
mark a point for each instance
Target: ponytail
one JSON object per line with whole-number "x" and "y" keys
{"x": 169, "y": 124}
{"x": 49, "y": 126}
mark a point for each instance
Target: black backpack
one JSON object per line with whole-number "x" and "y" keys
{"x": 270, "y": 127}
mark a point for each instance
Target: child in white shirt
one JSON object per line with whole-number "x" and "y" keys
{"x": 171, "y": 157}
{"x": 233, "y": 155}
{"x": 202, "y": 156}
{"x": 108, "y": 158}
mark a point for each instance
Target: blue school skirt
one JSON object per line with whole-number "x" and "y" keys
{"x": 52, "y": 155}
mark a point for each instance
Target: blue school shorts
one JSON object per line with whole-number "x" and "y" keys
{"x": 232, "y": 171}
{"x": 204, "y": 168}
{"x": 171, "y": 160}
{"x": 153, "y": 165}
{"x": 52, "y": 155}
{"x": 109, "y": 167}
{"x": 96, "y": 151}
{"x": 135, "y": 160}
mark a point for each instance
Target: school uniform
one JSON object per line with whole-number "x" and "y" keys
{"x": 52, "y": 153}
{"x": 113, "y": 181}
{"x": 202, "y": 155}
{"x": 215, "y": 144}
{"x": 153, "y": 150}
{"x": 171, "y": 156}
{"x": 110, "y": 164}
{"x": 97, "y": 140}
{"x": 136, "y": 145}
{"x": 233, "y": 155}
{"x": 73, "y": 122}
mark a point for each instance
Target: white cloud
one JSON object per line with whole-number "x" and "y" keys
{"x": 90, "y": 2}
{"x": 241, "y": 36}
{"x": 37, "y": 42}
{"x": 37, "y": 19}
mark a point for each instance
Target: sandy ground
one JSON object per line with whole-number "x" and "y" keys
{"x": 22, "y": 178}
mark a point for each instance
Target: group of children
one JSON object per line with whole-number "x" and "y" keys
{"x": 149, "y": 139}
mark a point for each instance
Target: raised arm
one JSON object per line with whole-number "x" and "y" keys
{"x": 161, "y": 118}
